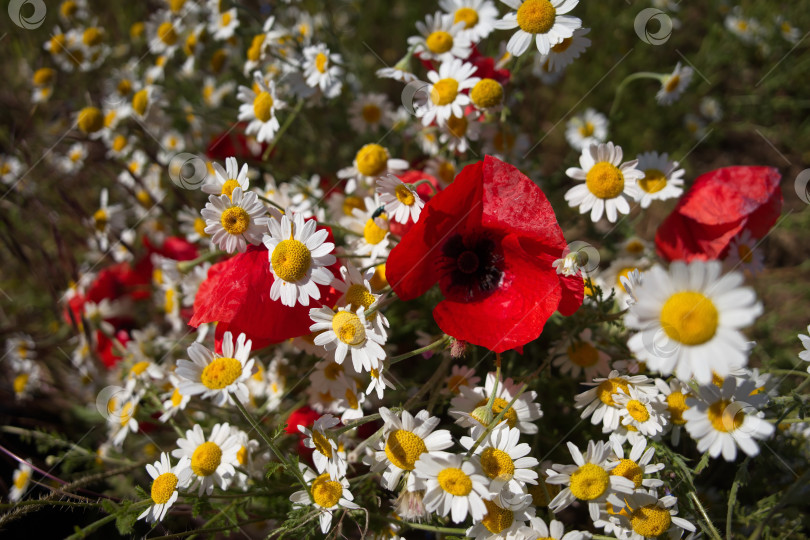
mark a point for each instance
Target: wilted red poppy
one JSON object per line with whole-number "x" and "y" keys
{"x": 236, "y": 295}
{"x": 720, "y": 205}
{"x": 489, "y": 241}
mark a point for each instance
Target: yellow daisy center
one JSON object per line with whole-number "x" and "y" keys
{"x": 254, "y": 53}
{"x": 176, "y": 5}
{"x": 689, "y": 317}
{"x": 745, "y": 253}
{"x": 589, "y": 482}
{"x": 650, "y": 521}
{"x": 199, "y": 227}
{"x": 206, "y": 459}
{"x": 218, "y": 60}
{"x": 487, "y": 93}
{"x": 497, "y": 519}
{"x": 497, "y": 464}
{"x": 630, "y": 470}
{"x": 140, "y": 101}
{"x": 119, "y": 142}
{"x": 586, "y": 129}
{"x": 637, "y": 410}
{"x": 653, "y": 181}
{"x": 326, "y": 492}
{"x": 143, "y": 198}
{"x": 91, "y": 119}
{"x": 497, "y": 406}
{"x": 351, "y": 398}
{"x": 221, "y": 372}
{"x": 92, "y": 36}
{"x": 623, "y": 273}
{"x": 333, "y": 371}
{"x": 100, "y": 219}
{"x": 242, "y": 455}
{"x": 177, "y": 398}
{"x": 539, "y": 494}
{"x": 136, "y": 30}
{"x": 455, "y": 382}
{"x": 226, "y": 18}
{"x": 563, "y": 45}
{"x": 139, "y": 368}
{"x": 127, "y": 412}
{"x": 605, "y": 180}
{"x": 291, "y": 260}
{"x": 321, "y": 443}
{"x": 378, "y": 280}
{"x": 235, "y": 220}
{"x": 583, "y": 354}
{"x": 372, "y": 232}
{"x": 536, "y": 16}
{"x": 403, "y": 448}
{"x": 466, "y": 15}
{"x": 447, "y": 171}
{"x": 371, "y": 160}
{"x": 439, "y": 42}
{"x": 607, "y": 388}
{"x": 22, "y": 479}
{"x": 68, "y": 8}
{"x": 229, "y": 186}
{"x": 262, "y": 106}
{"x": 320, "y": 62}
{"x": 348, "y": 328}
{"x": 676, "y": 403}
{"x": 444, "y": 92}
{"x": 166, "y": 33}
{"x": 44, "y": 76}
{"x": 351, "y": 203}
{"x": 20, "y": 382}
{"x": 169, "y": 302}
{"x": 163, "y": 487}
{"x": 725, "y": 418}
{"x": 672, "y": 83}
{"x": 357, "y": 295}
{"x": 371, "y": 113}
{"x": 405, "y": 195}
{"x": 455, "y": 482}
{"x": 457, "y": 126}
{"x": 190, "y": 45}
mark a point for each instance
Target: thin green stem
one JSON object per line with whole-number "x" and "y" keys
{"x": 284, "y": 128}
{"x": 271, "y": 203}
{"x": 186, "y": 266}
{"x": 732, "y": 495}
{"x": 496, "y": 420}
{"x": 627, "y": 80}
{"x": 432, "y": 528}
{"x": 424, "y": 181}
{"x": 435, "y": 345}
{"x": 713, "y": 532}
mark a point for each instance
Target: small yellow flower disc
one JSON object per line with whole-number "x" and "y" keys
{"x": 320, "y": 62}
{"x": 373, "y": 233}
{"x": 563, "y": 45}
{"x": 455, "y": 482}
{"x": 589, "y": 482}
{"x": 497, "y": 464}
{"x": 497, "y": 519}
{"x": 439, "y": 42}
{"x": 607, "y": 388}
{"x": 262, "y": 106}
{"x": 650, "y": 521}
{"x": 403, "y": 448}
{"x": 466, "y": 15}
{"x": 405, "y": 195}
{"x": 163, "y": 487}
{"x": 630, "y": 470}
{"x": 140, "y": 101}
{"x": 689, "y": 317}
{"x": 457, "y": 126}
{"x": 653, "y": 181}
{"x": 583, "y": 354}
{"x": 228, "y": 187}
{"x": 487, "y": 93}
{"x": 638, "y": 411}
{"x": 587, "y": 129}
{"x": 166, "y": 33}
{"x": 321, "y": 443}
{"x": 326, "y": 492}
{"x": 91, "y": 119}
{"x": 100, "y": 219}
{"x": 605, "y": 180}
{"x": 676, "y": 403}
{"x": 725, "y": 418}
{"x": 199, "y": 227}
{"x": 291, "y": 260}
{"x": 20, "y": 382}
{"x": 536, "y": 16}
{"x": 357, "y": 295}
{"x": 44, "y": 76}
{"x": 235, "y": 220}
{"x": 497, "y": 406}
{"x": 371, "y": 160}
{"x": 68, "y": 9}
{"x": 92, "y": 36}
{"x": 221, "y": 372}
{"x": 371, "y": 113}
{"x": 348, "y": 328}
{"x": 444, "y": 92}
{"x": 206, "y": 458}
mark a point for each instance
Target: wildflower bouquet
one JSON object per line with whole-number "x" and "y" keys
{"x": 285, "y": 304}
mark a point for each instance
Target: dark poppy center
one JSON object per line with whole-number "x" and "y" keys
{"x": 473, "y": 267}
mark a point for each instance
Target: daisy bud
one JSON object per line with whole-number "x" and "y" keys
{"x": 409, "y": 505}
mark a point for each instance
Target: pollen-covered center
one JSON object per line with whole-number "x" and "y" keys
{"x": 371, "y": 160}
{"x": 349, "y": 328}
{"x": 444, "y": 92}
{"x": 235, "y": 220}
{"x": 745, "y": 254}
{"x": 676, "y": 403}
{"x": 351, "y": 203}
{"x": 497, "y": 464}
{"x": 357, "y": 295}
{"x": 263, "y": 106}
{"x": 372, "y": 232}
{"x": 321, "y": 443}
{"x": 497, "y": 406}
{"x": 326, "y": 492}
{"x": 466, "y": 15}
{"x": 221, "y": 373}
{"x": 583, "y": 354}
{"x": 607, "y": 388}
{"x": 589, "y": 482}
{"x": 689, "y": 317}
{"x": 403, "y": 448}
{"x": 206, "y": 459}
{"x": 291, "y": 260}
{"x": 672, "y": 83}
{"x": 229, "y": 186}
{"x": 371, "y": 113}
{"x": 199, "y": 227}
{"x": 100, "y": 219}
{"x": 20, "y": 382}
{"x": 587, "y": 129}
{"x": 139, "y": 368}
{"x": 22, "y": 479}
{"x": 162, "y": 487}
{"x": 91, "y": 119}
{"x": 404, "y": 195}
{"x": 497, "y": 519}
{"x": 724, "y": 417}
{"x": 140, "y": 101}
{"x": 563, "y": 45}
{"x": 320, "y": 62}
{"x": 487, "y": 93}
{"x": 177, "y": 398}
{"x": 605, "y": 180}
{"x": 536, "y": 16}
{"x": 637, "y": 410}
{"x": 166, "y": 33}
{"x": 457, "y": 126}
{"x": 654, "y": 181}
{"x": 630, "y": 470}
{"x": 650, "y": 521}
{"x": 439, "y": 42}
{"x": 455, "y": 482}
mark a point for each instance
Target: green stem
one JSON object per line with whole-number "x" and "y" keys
{"x": 271, "y": 203}
{"x": 186, "y": 266}
{"x": 788, "y": 372}
{"x": 433, "y": 528}
{"x": 712, "y": 531}
{"x": 40, "y": 502}
{"x": 215, "y": 529}
{"x": 435, "y": 345}
{"x": 627, "y": 80}
{"x": 496, "y": 420}
{"x": 732, "y": 495}
{"x": 284, "y": 128}
{"x": 82, "y": 533}
{"x": 424, "y": 181}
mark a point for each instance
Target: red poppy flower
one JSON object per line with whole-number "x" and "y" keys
{"x": 236, "y": 295}
{"x": 234, "y": 143}
{"x": 720, "y": 205}
{"x": 489, "y": 241}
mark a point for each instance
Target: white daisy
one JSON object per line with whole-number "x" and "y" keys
{"x": 554, "y": 531}
{"x": 347, "y": 331}
{"x": 215, "y": 376}
{"x": 259, "y": 106}
{"x": 165, "y": 482}
{"x": 689, "y": 320}
{"x": 299, "y": 255}
{"x": 598, "y": 402}
{"x": 325, "y": 493}
{"x": 589, "y": 480}
{"x": 21, "y": 480}
{"x": 743, "y": 255}
{"x": 357, "y": 292}
{"x": 372, "y": 227}
{"x": 459, "y": 376}
{"x": 173, "y": 400}
{"x": 234, "y": 221}
{"x": 370, "y": 112}
{"x": 401, "y": 200}
{"x": 371, "y": 162}
{"x": 805, "y": 354}
{"x": 721, "y": 419}
{"x": 107, "y": 220}
{"x": 641, "y": 411}
{"x": 211, "y": 461}
{"x": 607, "y": 183}
{"x": 663, "y": 179}
{"x": 521, "y": 415}
{"x": 674, "y": 395}
{"x": 588, "y": 128}
{"x": 453, "y": 486}
{"x": 582, "y": 356}
{"x": 646, "y": 516}
{"x": 674, "y": 84}
{"x": 326, "y": 456}
{"x": 223, "y": 25}
{"x": 569, "y": 49}
{"x": 224, "y": 181}
{"x": 542, "y": 20}
{"x": 478, "y": 16}
{"x": 405, "y": 440}
{"x": 123, "y": 419}
{"x": 444, "y": 96}
{"x": 379, "y": 381}
{"x": 637, "y": 464}
{"x": 459, "y": 130}
{"x": 322, "y": 70}
{"x": 441, "y": 38}
{"x": 10, "y": 168}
